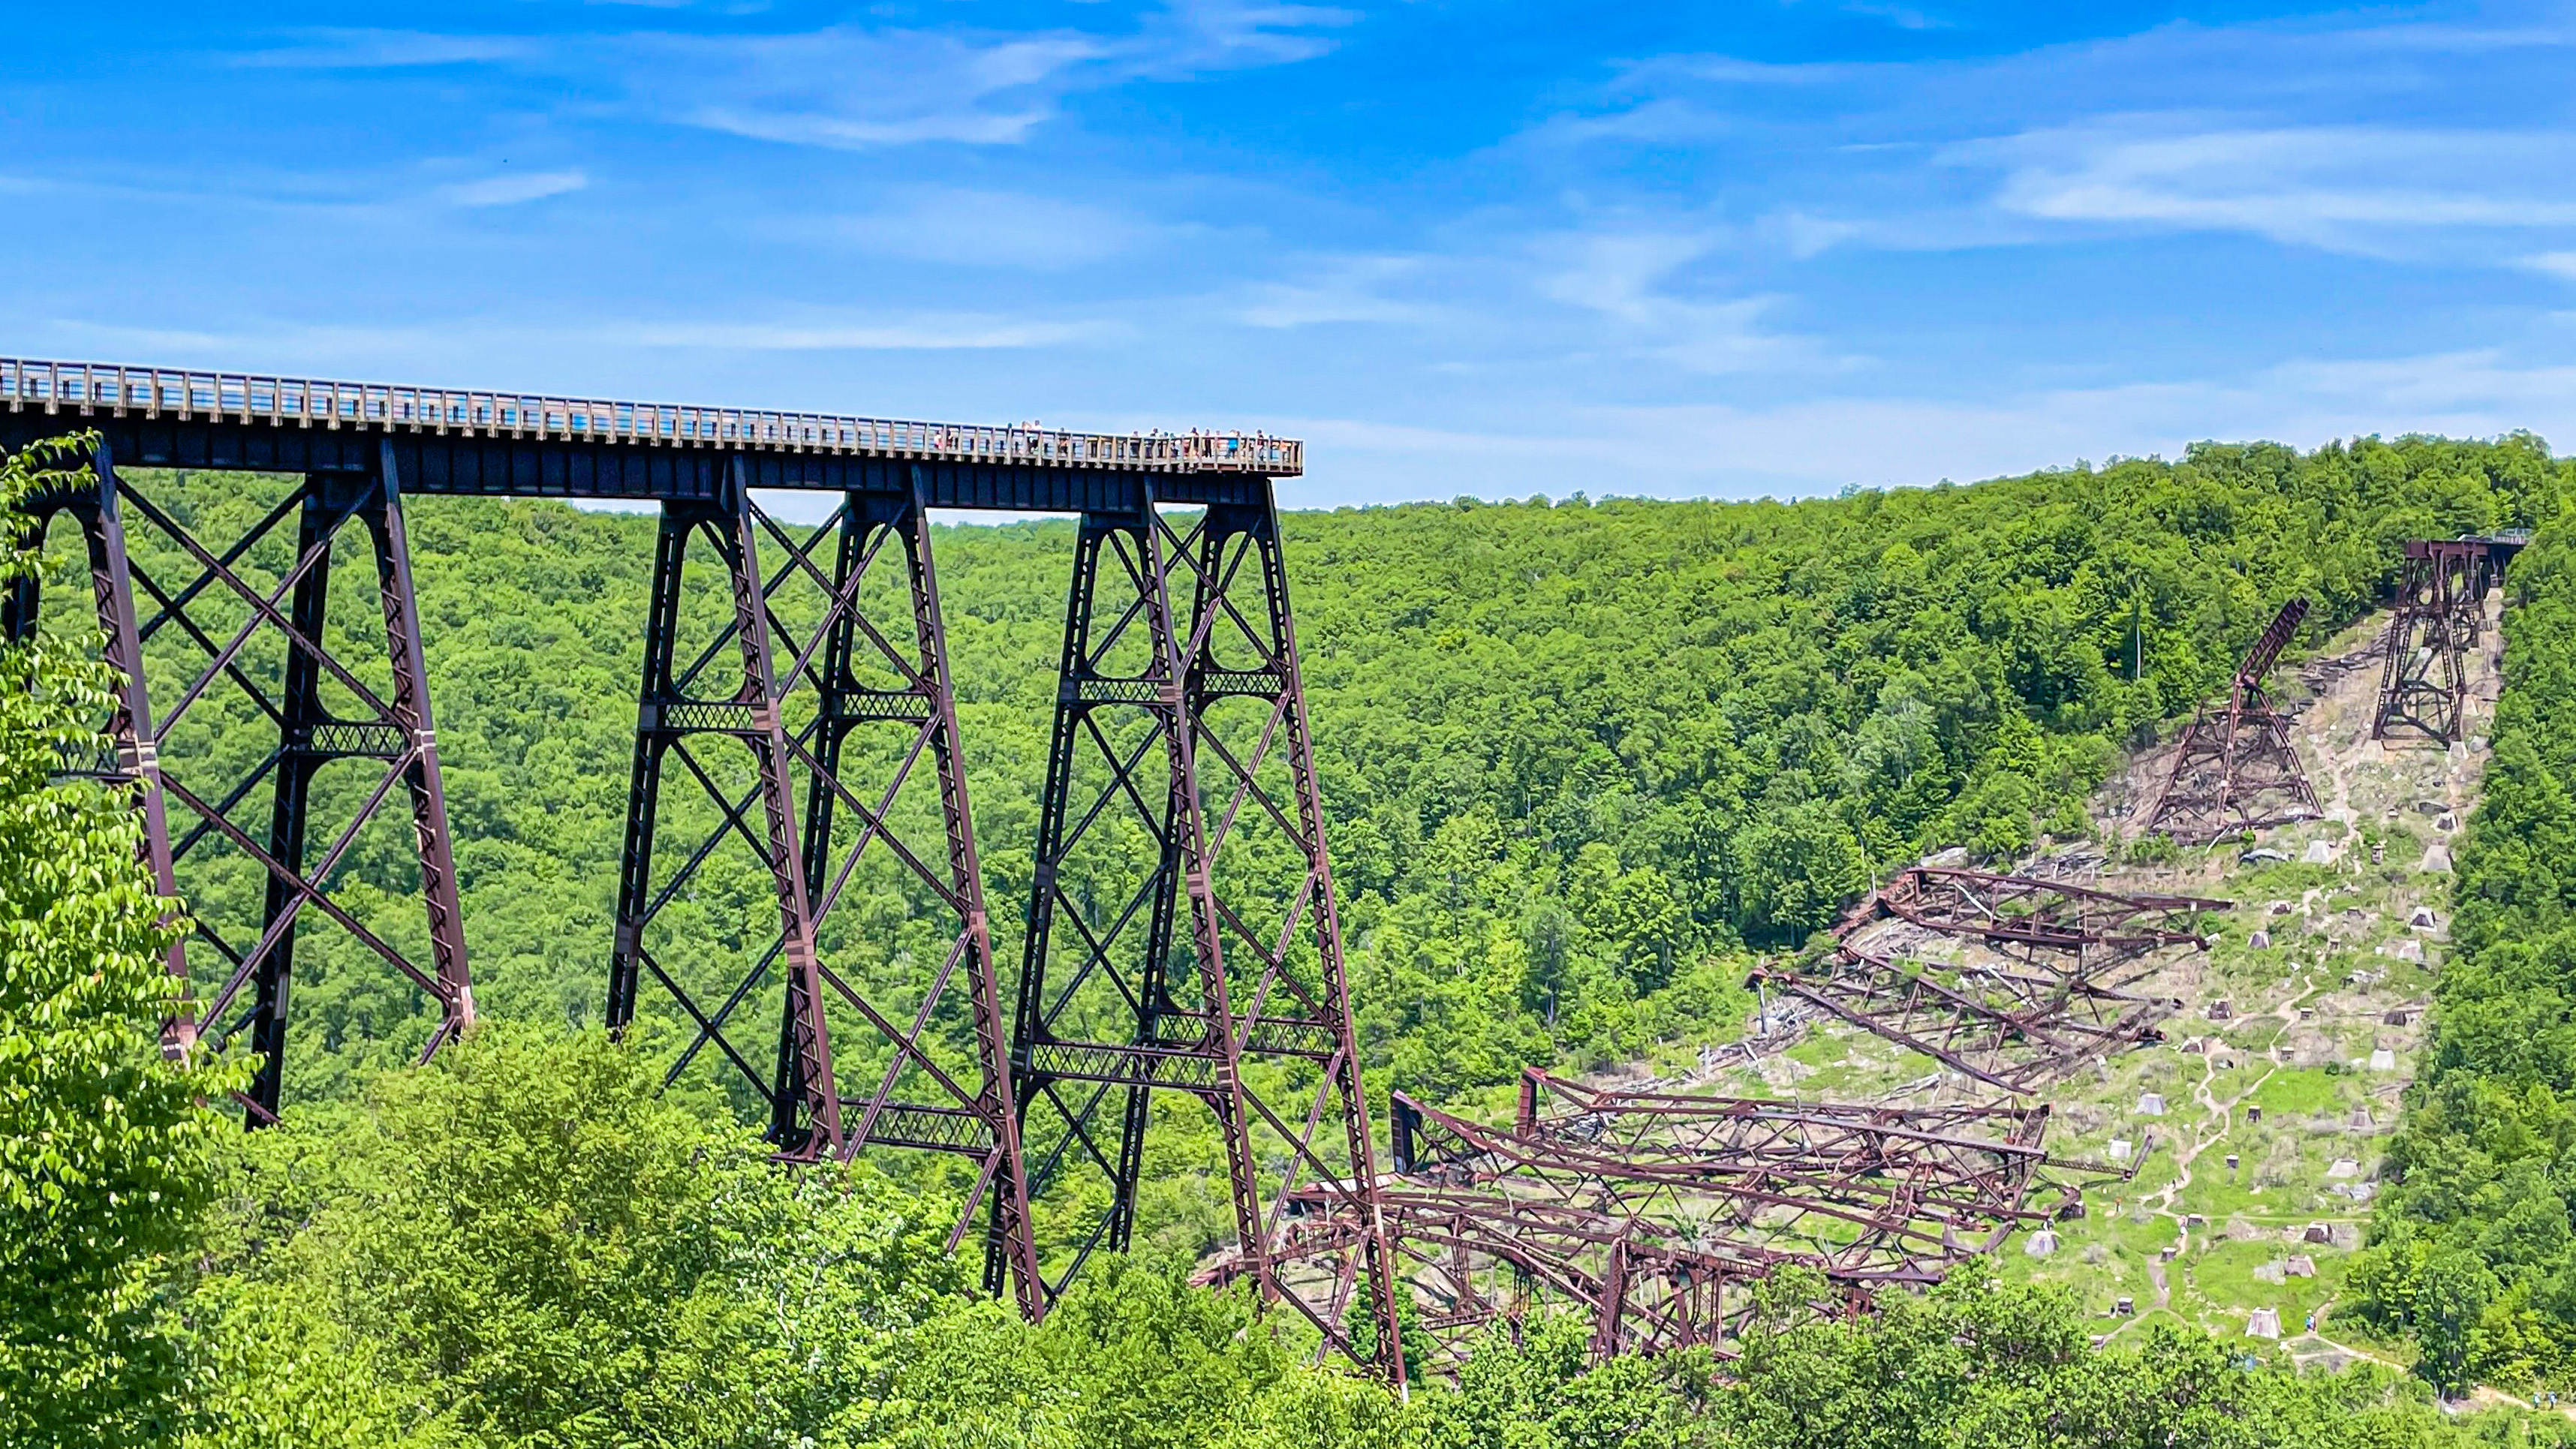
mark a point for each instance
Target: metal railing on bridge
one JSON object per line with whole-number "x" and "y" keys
{"x": 86, "y": 387}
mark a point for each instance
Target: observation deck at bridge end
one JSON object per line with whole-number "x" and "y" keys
{"x": 467, "y": 441}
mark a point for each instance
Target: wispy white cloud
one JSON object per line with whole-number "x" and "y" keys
{"x": 894, "y": 334}
{"x": 1631, "y": 278}
{"x": 2556, "y": 264}
{"x": 1903, "y": 17}
{"x": 1662, "y": 121}
{"x": 1190, "y": 36}
{"x": 1803, "y": 235}
{"x": 2346, "y": 188}
{"x": 1341, "y": 289}
{"x": 2459, "y": 39}
{"x": 958, "y": 227}
{"x": 856, "y": 87}
{"x": 1733, "y": 70}
{"x": 390, "y": 50}
{"x": 510, "y": 190}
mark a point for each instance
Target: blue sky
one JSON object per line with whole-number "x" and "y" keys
{"x": 1459, "y": 246}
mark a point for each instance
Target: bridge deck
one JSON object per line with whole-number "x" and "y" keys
{"x": 479, "y": 442}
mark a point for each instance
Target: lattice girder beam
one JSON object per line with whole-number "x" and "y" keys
{"x": 2017, "y": 1033}
{"x": 2082, "y": 926}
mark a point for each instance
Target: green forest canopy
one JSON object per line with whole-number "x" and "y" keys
{"x": 2472, "y": 1252}
{"x": 1576, "y": 757}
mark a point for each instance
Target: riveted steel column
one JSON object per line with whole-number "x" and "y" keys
{"x": 411, "y": 713}
{"x": 1012, "y": 1234}
{"x": 1175, "y": 646}
{"x": 1074, "y": 1123}
{"x": 291, "y": 788}
{"x": 95, "y": 508}
{"x": 644, "y": 787}
{"x": 805, "y": 1111}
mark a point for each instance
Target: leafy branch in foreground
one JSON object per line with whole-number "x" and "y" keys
{"x": 104, "y": 1146}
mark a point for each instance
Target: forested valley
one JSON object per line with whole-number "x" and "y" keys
{"x": 1581, "y": 763}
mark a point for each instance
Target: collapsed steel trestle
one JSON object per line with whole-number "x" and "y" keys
{"x": 2075, "y": 929}
{"x": 2050, "y": 1006}
{"x": 1649, "y": 1214}
{"x": 1864, "y": 1190}
{"x": 2236, "y": 768}
{"x": 2011, "y": 1029}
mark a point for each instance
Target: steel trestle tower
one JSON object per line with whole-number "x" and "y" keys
{"x": 232, "y": 657}
{"x": 2424, "y": 682}
{"x": 1181, "y": 797}
{"x": 2236, "y": 768}
{"x": 798, "y": 693}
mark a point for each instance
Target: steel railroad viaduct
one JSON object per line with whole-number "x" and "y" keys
{"x": 1179, "y": 755}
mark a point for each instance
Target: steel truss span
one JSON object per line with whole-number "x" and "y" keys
{"x": 2054, "y": 1001}
{"x": 185, "y": 395}
{"x": 796, "y": 737}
